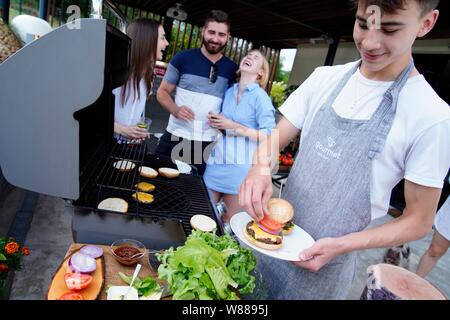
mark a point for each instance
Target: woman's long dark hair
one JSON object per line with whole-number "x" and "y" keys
{"x": 144, "y": 42}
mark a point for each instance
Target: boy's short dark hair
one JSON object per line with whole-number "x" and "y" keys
{"x": 217, "y": 16}
{"x": 391, "y": 6}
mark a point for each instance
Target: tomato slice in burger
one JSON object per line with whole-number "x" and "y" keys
{"x": 270, "y": 224}
{"x": 71, "y": 296}
{"x": 77, "y": 281}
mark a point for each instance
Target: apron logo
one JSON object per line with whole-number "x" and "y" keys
{"x": 331, "y": 142}
{"x": 327, "y": 153}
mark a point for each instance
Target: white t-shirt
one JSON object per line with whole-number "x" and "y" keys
{"x": 417, "y": 147}
{"x": 442, "y": 220}
{"x": 130, "y": 113}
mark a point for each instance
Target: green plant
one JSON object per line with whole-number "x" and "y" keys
{"x": 277, "y": 93}
{"x": 10, "y": 259}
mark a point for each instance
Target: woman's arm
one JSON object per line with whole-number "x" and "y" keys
{"x": 130, "y": 132}
{"x": 219, "y": 121}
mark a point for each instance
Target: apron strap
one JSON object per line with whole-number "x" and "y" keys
{"x": 387, "y": 111}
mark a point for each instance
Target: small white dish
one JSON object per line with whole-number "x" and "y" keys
{"x": 116, "y": 293}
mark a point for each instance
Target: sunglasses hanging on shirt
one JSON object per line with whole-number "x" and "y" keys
{"x": 213, "y": 74}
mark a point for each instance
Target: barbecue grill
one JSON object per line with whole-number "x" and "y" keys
{"x": 56, "y": 138}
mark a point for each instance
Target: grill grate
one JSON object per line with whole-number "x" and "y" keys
{"x": 112, "y": 178}
{"x": 177, "y": 199}
{"x": 168, "y": 198}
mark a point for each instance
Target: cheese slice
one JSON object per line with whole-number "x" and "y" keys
{"x": 143, "y": 197}
{"x": 261, "y": 234}
{"x": 145, "y": 186}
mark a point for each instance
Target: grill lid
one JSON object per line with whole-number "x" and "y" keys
{"x": 45, "y": 142}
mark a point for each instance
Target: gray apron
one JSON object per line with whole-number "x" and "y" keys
{"x": 329, "y": 187}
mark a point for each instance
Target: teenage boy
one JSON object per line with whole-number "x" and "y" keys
{"x": 365, "y": 126}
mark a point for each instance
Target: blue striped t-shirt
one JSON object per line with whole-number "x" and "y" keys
{"x": 190, "y": 71}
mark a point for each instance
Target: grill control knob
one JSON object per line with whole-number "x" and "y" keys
{"x": 221, "y": 208}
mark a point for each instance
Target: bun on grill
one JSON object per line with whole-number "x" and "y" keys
{"x": 169, "y": 172}
{"x": 113, "y": 204}
{"x": 124, "y": 165}
{"x": 148, "y": 172}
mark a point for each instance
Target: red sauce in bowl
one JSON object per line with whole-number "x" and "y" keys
{"x": 126, "y": 252}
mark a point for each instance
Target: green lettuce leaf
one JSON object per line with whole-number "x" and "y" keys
{"x": 207, "y": 267}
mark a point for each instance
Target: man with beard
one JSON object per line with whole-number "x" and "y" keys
{"x": 201, "y": 77}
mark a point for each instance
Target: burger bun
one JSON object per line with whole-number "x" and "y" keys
{"x": 169, "y": 172}
{"x": 113, "y": 204}
{"x": 280, "y": 210}
{"x": 259, "y": 244}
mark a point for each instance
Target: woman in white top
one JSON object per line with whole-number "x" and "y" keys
{"x": 148, "y": 41}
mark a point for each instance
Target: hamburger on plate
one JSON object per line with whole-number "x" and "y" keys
{"x": 268, "y": 233}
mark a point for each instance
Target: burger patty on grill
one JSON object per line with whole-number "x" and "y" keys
{"x": 264, "y": 240}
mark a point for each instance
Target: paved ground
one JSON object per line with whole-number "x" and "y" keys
{"x": 50, "y": 236}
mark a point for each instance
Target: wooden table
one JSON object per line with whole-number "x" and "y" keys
{"x": 112, "y": 268}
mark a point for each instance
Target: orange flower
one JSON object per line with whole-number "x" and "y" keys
{"x": 3, "y": 267}
{"x": 12, "y": 247}
{"x": 25, "y": 251}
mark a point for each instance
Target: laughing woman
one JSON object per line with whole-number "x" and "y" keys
{"x": 148, "y": 41}
{"x": 247, "y": 116}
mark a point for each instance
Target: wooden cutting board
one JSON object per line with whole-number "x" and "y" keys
{"x": 111, "y": 269}
{"x": 58, "y": 286}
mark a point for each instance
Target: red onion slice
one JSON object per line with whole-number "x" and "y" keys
{"x": 277, "y": 233}
{"x": 70, "y": 266}
{"x": 92, "y": 251}
{"x": 82, "y": 263}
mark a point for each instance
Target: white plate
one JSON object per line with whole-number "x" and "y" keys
{"x": 183, "y": 167}
{"x": 293, "y": 243}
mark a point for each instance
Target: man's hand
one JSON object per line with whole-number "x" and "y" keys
{"x": 255, "y": 191}
{"x": 184, "y": 113}
{"x": 319, "y": 254}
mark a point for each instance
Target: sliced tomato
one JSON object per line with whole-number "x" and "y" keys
{"x": 77, "y": 281}
{"x": 270, "y": 224}
{"x": 71, "y": 296}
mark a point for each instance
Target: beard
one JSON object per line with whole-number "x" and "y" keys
{"x": 212, "y": 50}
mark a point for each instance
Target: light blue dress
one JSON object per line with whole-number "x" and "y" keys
{"x": 232, "y": 156}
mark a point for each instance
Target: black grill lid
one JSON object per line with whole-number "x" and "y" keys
{"x": 43, "y": 85}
